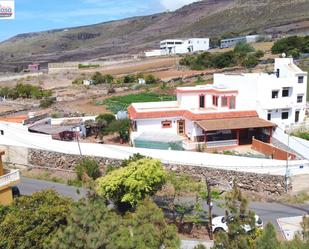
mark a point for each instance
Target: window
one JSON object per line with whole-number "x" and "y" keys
{"x": 284, "y": 115}
{"x": 269, "y": 116}
{"x": 300, "y": 79}
{"x": 232, "y": 104}
{"x": 297, "y": 116}
{"x": 286, "y": 92}
{"x": 300, "y": 98}
{"x": 215, "y": 100}
{"x": 166, "y": 124}
{"x": 1, "y": 132}
{"x": 275, "y": 94}
{"x": 202, "y": 101}
{"x": 223, "y": 101}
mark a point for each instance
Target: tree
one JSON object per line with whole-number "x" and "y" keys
{"x": 87, "y": 168}
{"x": 238, "y": 216}
{"x": 268, "y": 240}
{"x": 121, "y": 127}
{"x": 97, "y": 78}
{"x": 128, "y": 185}
{"x": 92, "y": 225}
{"x": 150, "y": 79}
{"x": 32, "y": 219}
{"x": 107, "y": 117}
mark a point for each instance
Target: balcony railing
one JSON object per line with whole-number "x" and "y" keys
{"x": 223, "y": 143}
{"x": 9, "y": 178}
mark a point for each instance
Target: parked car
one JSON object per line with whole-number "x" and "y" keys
{"x": 220, "y": 223}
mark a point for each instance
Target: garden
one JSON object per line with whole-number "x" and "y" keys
{"x": 121, "y": 103}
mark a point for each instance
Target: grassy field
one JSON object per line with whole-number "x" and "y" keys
{"x": 121, "y": 103}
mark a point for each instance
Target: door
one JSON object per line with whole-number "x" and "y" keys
{"x": 296, "y": 116}
{"x": 181, "y": 127}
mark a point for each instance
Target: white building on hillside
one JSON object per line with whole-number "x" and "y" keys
{"x": 178, "y": 46}
{"x": 230, "y": 112}
{"x": 279, "y": 97}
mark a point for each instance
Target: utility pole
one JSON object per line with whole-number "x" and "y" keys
{"x": 287, "y": 173}
{"x": 210, "y": 205}
{"x": 80, "y": 151}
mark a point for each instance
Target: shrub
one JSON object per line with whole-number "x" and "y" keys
{"x": 259, "y": 54}
{"x": 46, "y": 102}
{"x": 89, "y": 167}
{"x": 250, "y": 61}
{"x": 243, "y": 47}
{"x": 107, "y": 117}
{"x": 223, "y": 60}
{"x": 150, "y": 79}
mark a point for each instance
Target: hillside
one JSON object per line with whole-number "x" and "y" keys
{"x": 208, "y": 18}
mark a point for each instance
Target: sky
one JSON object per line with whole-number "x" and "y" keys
{"x": 40, "y": 15}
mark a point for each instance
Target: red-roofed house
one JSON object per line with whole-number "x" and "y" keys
{"x": 207, "y": 115}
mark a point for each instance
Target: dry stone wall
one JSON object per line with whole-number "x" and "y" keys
{"x": 263, "y": 184}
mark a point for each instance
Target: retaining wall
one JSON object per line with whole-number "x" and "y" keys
{"x": 259, "y": 183}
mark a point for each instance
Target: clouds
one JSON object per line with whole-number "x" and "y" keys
{"x": 175, "y": 4}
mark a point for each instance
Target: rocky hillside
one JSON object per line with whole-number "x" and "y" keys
{"x": 208, "y": 18}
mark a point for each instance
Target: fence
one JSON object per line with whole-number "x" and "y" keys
{"x": 272, "y": 151}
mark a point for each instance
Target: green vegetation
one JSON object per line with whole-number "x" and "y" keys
{"x": 243, "y": 54}
{"x": 99, "y": 78}
{"x": 121, "y": 103}
{"x": 47, "y": 102}
{"x": 92, "y": 225}
{"x": 87, "y": 168}
{"x": 302, "y": 132}
{"x": 32, "y": 219}
{"x": 128, "y": 185}
{"x": 122, "y": 127}
{"x": 82, "y": 66}
{"x": 292, "y": 46}
{"x": 25, "y": 91}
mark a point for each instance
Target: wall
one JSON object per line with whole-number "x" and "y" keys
{"x": 272, "y": 151}
{"x": 16, "y": 135}
{"x": 19, "y": 76}
{"x": 155, "y": 125}
{"x": 271, "y": 185}
{"x": 6, "y": 196}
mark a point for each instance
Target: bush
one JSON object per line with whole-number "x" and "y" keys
{"x": 223, "y": 60}
{"x": 107, "y": 117}
{"x": 243, "y": 47}
{"x": 259, "y": 54}
{"x": 89, "y": 167}
{"x": 295, "y": 53}
{"x": 47, "y": 102}
{"x": 121, "y": 127}
{"x": 99, "y": 78}
{"x": 150, "y": 79}
{"x": 250, "y": 61}
{"x": 288, "y": 44}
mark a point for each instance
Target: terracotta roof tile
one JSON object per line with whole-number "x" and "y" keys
{"x": 133, "y": 114}
{"x": 16, "y": 119}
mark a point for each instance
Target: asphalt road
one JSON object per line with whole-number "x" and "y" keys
{"x": 269, "y": 212}
{"x": 29, "y": 186}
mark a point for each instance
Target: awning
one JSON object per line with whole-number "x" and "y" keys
{"x": 234, "y": 123}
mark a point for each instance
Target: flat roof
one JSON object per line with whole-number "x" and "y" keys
{"x": 212, "y": 89}
{"x": 50, "y": 129}
{"x": 234, "y": 123}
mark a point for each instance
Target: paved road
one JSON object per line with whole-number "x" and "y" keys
{"x": 269, "y": 212}
{"x": 29, "y": 186}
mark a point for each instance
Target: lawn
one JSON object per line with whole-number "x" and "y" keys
{"x": 121, "y": 103}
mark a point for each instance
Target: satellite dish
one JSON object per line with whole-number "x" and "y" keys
{"x": 283, "y": 55}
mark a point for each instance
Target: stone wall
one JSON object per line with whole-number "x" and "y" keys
{"x": 268, "y": 184}
{"x": 56, "y": 160}
{"x": 263, "y": 184}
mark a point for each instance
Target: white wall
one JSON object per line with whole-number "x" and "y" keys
{"x": 152, "y": 125}
{"x": 17, "y": 135}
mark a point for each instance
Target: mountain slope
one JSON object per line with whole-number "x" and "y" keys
{"x": 208, "y": 18}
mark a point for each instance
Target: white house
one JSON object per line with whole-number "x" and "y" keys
{"x": 279, "y": 97}
{"x": 178, "y": 46}
{"x": 174, "y": 46}
{"x": 236, "y": 108}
